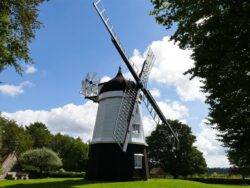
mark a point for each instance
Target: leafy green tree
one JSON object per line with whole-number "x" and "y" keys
{"x": 218, "y": 34}
{"x": 40, "y": 134}
{"x": 1, "y": 133}
{"x": 73, "y": 152}
{"x": 1, "y": 142}
{"x": 43, "y": 159}
{"x": 14, "y": 137}
{"x": 18, "y": 23}
{"x": 178, "y": 161}
{"x": 197, "y": 162}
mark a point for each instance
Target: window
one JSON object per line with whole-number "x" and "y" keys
{"x": 138, "y": 160}
{"x": 135, "y": 128}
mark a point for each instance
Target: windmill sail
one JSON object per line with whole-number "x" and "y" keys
{"x": 157, "y": 109}
{"x": 90, "y": 86}
{"x": 114, "y": 37}
{"x": 146, "y": 68}
{"x": 126, "y": 111}
{"x": 151, "y": 111}
{"x": 129, "y": 100}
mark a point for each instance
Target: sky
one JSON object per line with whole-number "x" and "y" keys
{"x": 73, "y": 42}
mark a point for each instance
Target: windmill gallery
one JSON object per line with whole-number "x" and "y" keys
{"x": 118, "y": 147}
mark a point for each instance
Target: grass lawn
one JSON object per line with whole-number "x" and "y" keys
{"x": 80, "y": 183}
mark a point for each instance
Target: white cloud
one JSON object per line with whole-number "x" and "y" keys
{"x": 77, "y": 120}
{"x": 172, "y": 110}
{"x": 30, "y": 69}
{"x": 212, "y": 150}
{"x": 13, "y": 90}
{"x": 155, "y": 92}
{"x": 171, "y": 62}
{"x": 148, "y": 125}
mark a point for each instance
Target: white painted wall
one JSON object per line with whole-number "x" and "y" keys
{"x": 109, "y": 103}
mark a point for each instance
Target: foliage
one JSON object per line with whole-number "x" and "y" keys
{"x": 43, "y": 159}
{"x": 1, "y": 134}
{"x": 81, "y": 183}
{"x": 14, "y": 137}
{"x": 219, "y": 170}
{"x": 40, "y": 134}
{"x": 18, "y": 23}
{"x": 218, "y": 34}
{"x": 65, "y": 174}
{"x": 72, "y": 151}
{"x": 182, "y": 161}
{"x": 217, "y": 180}
{"x": 1, "y": 144}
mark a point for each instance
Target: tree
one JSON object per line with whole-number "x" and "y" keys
{"x": 1, "y": 134}
{"x": 72, "y": 151}
{"x": 1, "y": 142}
{"x": 178, "y": 161}
{"x": 40, "y": 134}
{"x": 18, "y": 23}
{"x": 43, "y": 159}
{"x": 14, "y": 137}
{"x": 218, "y": 34}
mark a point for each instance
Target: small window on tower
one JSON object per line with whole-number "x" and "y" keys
{"x": 136, "y": 128}
{"x": 138, "y": 160}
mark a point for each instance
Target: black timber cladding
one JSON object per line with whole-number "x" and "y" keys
{"x": 108, "y": 162}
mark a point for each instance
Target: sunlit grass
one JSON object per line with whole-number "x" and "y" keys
{"x": 81, "y": 183}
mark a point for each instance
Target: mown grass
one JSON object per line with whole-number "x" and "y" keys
{"x": 81, "y": 183}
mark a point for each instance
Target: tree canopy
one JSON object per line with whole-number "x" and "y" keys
{"x": 40, "y": 134}
{"x": 72, "y": 151}
{"x": 178, "y": 161}
{"x": 18, "y": 23}
{"x": 14, "y": 138}
{"x": 218, "y": 34}
{"x": 43, "y": 159}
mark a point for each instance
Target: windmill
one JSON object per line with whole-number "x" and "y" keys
{"x": 118, "y": 121}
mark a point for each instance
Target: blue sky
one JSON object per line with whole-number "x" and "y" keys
{"x": 72, "y": 42}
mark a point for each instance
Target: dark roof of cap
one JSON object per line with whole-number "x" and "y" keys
{"x": 118, "y": 83}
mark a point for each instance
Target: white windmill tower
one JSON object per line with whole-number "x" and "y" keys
{"x": 118, "y": 149}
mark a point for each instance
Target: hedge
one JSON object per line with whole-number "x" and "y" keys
{"x": 65, "y": 174}
{"x": 221, "y": 181}
{"x": 56, "y": 174}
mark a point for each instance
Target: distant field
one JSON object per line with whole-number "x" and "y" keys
{"x": 80, "y": 183}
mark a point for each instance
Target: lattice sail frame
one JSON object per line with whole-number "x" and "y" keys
{"x": 90, "y": 86}
{"x": 123, "y": 122}
{"x": 147, "y": 67}
{"x": 141, "y": 79}
{"x": 123, "y": 125}
{"x": 151, "y": 111}
{"x": 103, "y": 14}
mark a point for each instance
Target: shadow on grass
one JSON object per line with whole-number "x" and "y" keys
{"x": 53, "y": 184}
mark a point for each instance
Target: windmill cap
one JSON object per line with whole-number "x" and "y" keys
{"x": 118, "y": 83}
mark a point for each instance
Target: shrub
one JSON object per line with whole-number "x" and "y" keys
{"x": 66, "y": 174}
{"x": 221, "y": 181}
{"x": 40, "y": 160}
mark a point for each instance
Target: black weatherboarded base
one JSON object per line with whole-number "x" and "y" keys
{"x": 108, "y": 162}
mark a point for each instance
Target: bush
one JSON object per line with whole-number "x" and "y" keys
{"x": 40, "y": 160}
{"x": 60, "y": 174}
{"x": 221, "y": 181}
